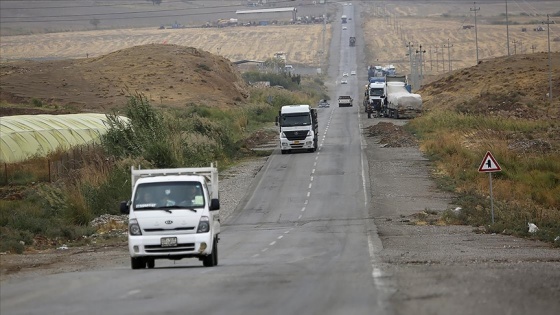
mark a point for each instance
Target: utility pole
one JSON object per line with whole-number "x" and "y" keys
{"x": 507, "y": 28}
{"x": 442, "y": 59}
{"x": 431, "y": 61}
{"x": 449, "y": 54}
{"x": 437, "y": 59}
{"x": 421, "y": 52}
{"x": 549, "y": 62}
{"x": 410, "y": 45}
{"x": 475, "y": 9}
{"x": 324, "y": 26}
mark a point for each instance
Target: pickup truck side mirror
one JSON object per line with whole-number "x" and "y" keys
{"x": 125, "y": 207}
{"x": 214, "y": 204}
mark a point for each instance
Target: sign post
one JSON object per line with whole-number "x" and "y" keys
{"x": 490, "y": 165}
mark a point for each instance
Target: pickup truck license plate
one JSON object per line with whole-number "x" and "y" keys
{"x": 168, "y": 241}
{"x": 296, "y": 142}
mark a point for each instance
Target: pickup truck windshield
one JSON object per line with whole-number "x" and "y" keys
{"x": 289, "y": 120}
{"x": 166, "y": 195}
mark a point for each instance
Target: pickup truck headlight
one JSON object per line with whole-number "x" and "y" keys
{"x": 134, "y": 227}
{"x": 282, "y": 135}
{"x": 203, "y": 225}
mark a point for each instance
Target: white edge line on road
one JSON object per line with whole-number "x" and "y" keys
{"x": 377, "y": 274}
{"x": 129, "y": 293}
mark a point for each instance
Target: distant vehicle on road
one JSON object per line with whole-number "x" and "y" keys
{"x": 345, "y": 74}
{"x": 343, "y": 81}
{"x": 344, "y": 27}
{"x": 352, "y": 72}
{"x": 345, "y": 101}
{"x": 324, "y": 104}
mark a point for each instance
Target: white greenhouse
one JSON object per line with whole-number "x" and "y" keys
{"x": 25, "y": 136}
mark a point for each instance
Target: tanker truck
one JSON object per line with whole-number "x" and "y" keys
{"x": 400, "y": 102}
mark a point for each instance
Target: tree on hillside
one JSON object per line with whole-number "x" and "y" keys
{"x": 274, "y": 64}
{"x": 95, "y": 22}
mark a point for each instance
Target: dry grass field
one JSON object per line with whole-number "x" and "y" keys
{"x": 299, "y": 42}
{"x": 436, "y": 27}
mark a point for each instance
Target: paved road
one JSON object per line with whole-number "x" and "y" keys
{"x": 302, "y": 243}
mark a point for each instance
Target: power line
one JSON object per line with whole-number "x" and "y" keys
{"x": 110, "y": 16}
{"x": 121, "y": 13}
{"x": 146, "y": 3}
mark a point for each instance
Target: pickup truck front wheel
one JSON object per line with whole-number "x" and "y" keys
{"x": 212, "y": 259}
{"x": 137, "y": 263}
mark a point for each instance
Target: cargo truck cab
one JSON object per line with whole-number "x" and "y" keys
{"x": 299, "y": 129}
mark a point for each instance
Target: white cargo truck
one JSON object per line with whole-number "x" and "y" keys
{"x": 173, "y": 214}
{"x": 299, "y": 128}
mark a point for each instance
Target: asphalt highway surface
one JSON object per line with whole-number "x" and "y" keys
{"x": 301, "y": 244}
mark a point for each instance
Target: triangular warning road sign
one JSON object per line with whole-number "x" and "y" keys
{"x": 489, "y": 164}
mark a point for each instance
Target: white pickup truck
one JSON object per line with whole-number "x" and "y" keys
{"x": 345, "y": 101}
{"x": 173, "y": 214}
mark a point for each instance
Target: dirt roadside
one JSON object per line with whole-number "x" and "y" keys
{"x": 439, "y": 269}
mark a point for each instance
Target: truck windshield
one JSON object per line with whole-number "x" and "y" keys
{"x": 288, "y": 120}
{"x": 151, "y": 196}
{"x": 376, "y": 92}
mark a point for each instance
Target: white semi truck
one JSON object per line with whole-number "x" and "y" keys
{"x": 374, "y": 96}
{"x": 173, "y": 214}
{"x": 299, "y": 129}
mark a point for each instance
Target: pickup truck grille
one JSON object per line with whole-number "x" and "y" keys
{"x": 189, "y": 228}
{"x": 179, "y": 248}
{"x": 296, "y": 135}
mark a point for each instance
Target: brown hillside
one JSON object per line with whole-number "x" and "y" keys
{"x": 514, "y": 86}
{"x": 168, "y": 75}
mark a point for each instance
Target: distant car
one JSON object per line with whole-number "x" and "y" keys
{"x": 343, "y": 81}
{"x": 324, "y": 104}
{"x": 352, "y": 72}
{"x": 345, "y": 74}
{"x": 344, "y": 27}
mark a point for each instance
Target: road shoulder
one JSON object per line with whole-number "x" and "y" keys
{"x": 439, "y": 269}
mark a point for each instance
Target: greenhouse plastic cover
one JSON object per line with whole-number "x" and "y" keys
{"x": 25, "y": 136}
